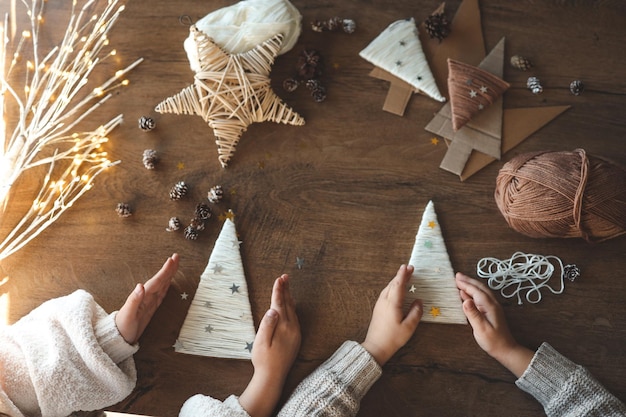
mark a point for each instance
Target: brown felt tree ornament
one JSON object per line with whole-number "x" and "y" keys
{"x": 471, "y": 89}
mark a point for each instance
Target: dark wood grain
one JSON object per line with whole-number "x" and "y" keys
{"x": 345, "y": 192}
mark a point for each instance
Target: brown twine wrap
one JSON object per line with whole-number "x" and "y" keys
{"x": 563, "y": 194}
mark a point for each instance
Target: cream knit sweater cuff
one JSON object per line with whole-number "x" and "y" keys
{"x": 111, "y": 341}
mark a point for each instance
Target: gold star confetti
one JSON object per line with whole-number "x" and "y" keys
{"x": 228, "y": 215}
{"x": 261, "y": 164}
{"x": 180, "y": 165}
{"x": 412, "y": 289}
{"x": 431, "y": 224}
{"x": 434, "y": 141}
{"x": 435, "y": 311}
{"x": 231, "y": 92}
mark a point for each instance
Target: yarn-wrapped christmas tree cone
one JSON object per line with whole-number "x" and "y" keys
{"x": 471, "y": 89}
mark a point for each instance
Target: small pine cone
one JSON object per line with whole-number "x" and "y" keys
{"x": 197, "y": 224}
{"x": 521, "y": 63}
{"x": 203, "y": 211}
{"x": 313, "y": 84}
{"x": 349, "y": 26}
{"x": 215, "y": 194}
{"x": 290, "y": 84}
{"x": 437, "y": 26}
{"x": 146, "y": 123}
{"x": 309, "y": 64}
{"x": 150, "y": 158}
{"x": 123, "y": 210}
{"x": 534, "y": 85}
{"x": 577, "y": 87}
{"x": 173, "y": 224}
{"x": 179, "y": 190}
{"x": 319, "y": 94}
{"x": 190, "y": 232}
{"x": 318, "y": 26}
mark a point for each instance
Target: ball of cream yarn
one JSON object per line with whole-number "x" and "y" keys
{"x": 563, "y": 194}
{"x": 247, "y": 24}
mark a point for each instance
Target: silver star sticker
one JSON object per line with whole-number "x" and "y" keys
{"x": 473, "y": 94}
{"x": 412, "y": 289}
{"x": 184, "y": 296}
{"x": 217, "y": 268}
{"x": 208, "y": 304}
{"x": 234, "y": 288}
{"x": 208, "y": 329}
{"x": 483, "y": 89}
{"x": 468, "y": 82}
{"x": 480, "y": 106}
{"x": 178, "y": 345}
{"x": 237, "y": 243}
{"x": 248, "y": 347}
{"x": 299, "y": 262}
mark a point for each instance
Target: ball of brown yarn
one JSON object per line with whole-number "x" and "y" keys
{"x": 563, "y": 194}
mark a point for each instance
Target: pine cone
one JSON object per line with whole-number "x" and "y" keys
{"x": 349, "y": 26}
{"x": 191, "y": 233}
{"x": 197, "y": 224}
{"x": 309, "y": 64}
{"x": 123, "y": 210}
{"x": 521, "y": 63}
{"x": 333, "y": 24}
{"x": 437, "y": 26}
{"x": 313, "y": 84}
{"x": 290, "y": 84}
{"x": 146, "y": 123}
{"x": 179, "y": 190}
{"x": 319, "y": 94}
{"x": 173, "y": 224}
{"x": 150, "y": 158}
{"x": 534, "y": 85}
{"x": 215, "y": 194}
{"x": 203, "y": 211}
{"x": 577, "y": 87}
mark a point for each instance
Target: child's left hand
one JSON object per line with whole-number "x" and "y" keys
{"x": 134, "y": 316}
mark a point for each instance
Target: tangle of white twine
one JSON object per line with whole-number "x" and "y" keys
{"x": 522, "y": 272}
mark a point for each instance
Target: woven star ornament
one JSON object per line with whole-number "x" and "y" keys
{"x": 471, "y": 89}
{"x": 398, "y": 50}
{"x": 232, "y": 91}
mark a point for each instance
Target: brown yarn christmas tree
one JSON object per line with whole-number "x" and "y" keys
{"x": 471, "y": 90}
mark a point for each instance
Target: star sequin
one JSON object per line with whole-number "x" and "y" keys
{"x": 234, "y": 288}
{"x": 178, "y": 345}
{"x": 231, "y": 92}
{"x": 432, "y": 224}
{"x": 237, "y": 243}
{"x": 481, "y": 106}
{"x": 473, "y": 94}
{"x": 398, "y": 63}
{"x": 228, "y": 215}
{"x": 299, "y": 262}
{"x": 180, "y": 165}
{"x": 435, "y": 311}
{"x": 402, "y": 43}
{"x": 249, "y": 346}
{"x": 208, "y": 304}
{"x": 217, "y": 268}
{"x": 469, "y": 81}
{"x": 428, "y": 244}
{"x": 209, "y": 329}
{"x": 184, "y": 296}
{"x": 434, "y": 141}
{"x": 483, "y": 89}
{"x": 412, "y": 289}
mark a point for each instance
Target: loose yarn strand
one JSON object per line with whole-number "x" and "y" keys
{"x": 523, "y": 272}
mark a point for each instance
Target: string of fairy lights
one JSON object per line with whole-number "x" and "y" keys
{"x": 51, "y": 99}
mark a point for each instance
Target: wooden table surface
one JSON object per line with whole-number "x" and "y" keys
{"x": 345, "y": 193}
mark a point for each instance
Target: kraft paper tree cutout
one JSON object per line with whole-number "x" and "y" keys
{"x": 219, "y": 322}
{"x": 433, "y": 277}
{"x": 398, "y": 50}
{"x": 232, "y": 91}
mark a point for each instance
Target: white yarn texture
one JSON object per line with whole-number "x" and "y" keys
{"x": 521, "y": 273}
{"x": 433, "y": 277}
{"x": 245, "y": 25}
{"x": 398, "y": 50}
{"x": 227, "y": 312}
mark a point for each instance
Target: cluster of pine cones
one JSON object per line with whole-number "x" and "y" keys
{"x": 202, "y": 213}
{"x": 309, "y": 69}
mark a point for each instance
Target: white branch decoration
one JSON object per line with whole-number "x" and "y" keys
{"x": 50, "y": 105}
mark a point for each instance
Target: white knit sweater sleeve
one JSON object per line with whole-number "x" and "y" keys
{"x": 66, "y": 355}
{"x": 337, "y": 387}
{"x": 202, "y": 405}
{"x": 565, "y": 389}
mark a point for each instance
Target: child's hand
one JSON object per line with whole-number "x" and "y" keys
{"x": 389, "y": 328}
{"x": 131, "y": 320}
{"x": 491, "y": 331}
{"x": 275, "y": 348}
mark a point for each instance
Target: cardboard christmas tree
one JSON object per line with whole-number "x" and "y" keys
{"x": 433, "y": 278}
{"x": 219, "y": 322}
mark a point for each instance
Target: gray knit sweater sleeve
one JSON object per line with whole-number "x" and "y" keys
{"x": 337, "y": 386}
{"x": 566, "y": 389}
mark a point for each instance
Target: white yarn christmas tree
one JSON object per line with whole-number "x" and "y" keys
{"x": 398, "y": 50}
{"x": 433, "y": 277}
{"x": 219, "y": 322}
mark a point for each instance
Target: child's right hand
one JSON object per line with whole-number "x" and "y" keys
{"x": 491, "y": 331}
{"x": 389, "y": 328}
